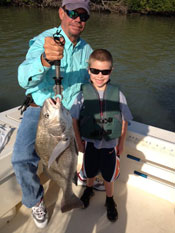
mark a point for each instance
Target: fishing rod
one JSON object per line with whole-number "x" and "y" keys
{"x": 150, "y": 176}
{"x": 152, "y": 163}
{"x": 59, "y": 39}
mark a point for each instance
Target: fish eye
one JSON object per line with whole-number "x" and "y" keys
{"x": 46, "y": 115}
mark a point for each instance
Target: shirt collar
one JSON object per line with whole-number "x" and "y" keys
{"x": 68, "y": 43}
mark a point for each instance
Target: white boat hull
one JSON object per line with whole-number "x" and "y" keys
{"x": 148, "y": 164}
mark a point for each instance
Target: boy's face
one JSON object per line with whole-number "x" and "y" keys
{"x": 99, "y": 80}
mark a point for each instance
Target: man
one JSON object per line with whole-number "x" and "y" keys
{"x": 36, "y": 74}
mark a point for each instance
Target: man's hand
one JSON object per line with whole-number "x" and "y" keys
{"x": 53, "y": 50}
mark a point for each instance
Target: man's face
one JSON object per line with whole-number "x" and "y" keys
{"x": 72, "y": 27}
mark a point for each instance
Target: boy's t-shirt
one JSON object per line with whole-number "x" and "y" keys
{"x": 125, "y": 112}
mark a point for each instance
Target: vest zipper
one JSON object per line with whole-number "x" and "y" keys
{"x": 101, "y": 105}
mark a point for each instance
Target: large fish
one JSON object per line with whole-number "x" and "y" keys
{"x": 55, "y": 145}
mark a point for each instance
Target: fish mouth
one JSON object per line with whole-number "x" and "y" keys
{"x": 54, "y": 102}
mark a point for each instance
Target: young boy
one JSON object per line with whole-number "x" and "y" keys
{"x": 100, "y": 118}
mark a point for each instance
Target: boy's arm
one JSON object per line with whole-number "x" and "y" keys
{"x": 120, "y": 146}
{"x": 80, "y": 144}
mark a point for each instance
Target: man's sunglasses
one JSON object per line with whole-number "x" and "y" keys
{"x": 74, "y": 14}
{"x": 96, "y": 71}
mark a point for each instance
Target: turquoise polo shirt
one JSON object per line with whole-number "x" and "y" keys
{"x": 38, "y": 80}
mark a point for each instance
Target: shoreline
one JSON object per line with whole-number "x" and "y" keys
{"x": 105, "y": 7}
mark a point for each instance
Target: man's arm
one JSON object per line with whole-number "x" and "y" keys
{"x": 33, "y": 69}
{"x": 80, "y": 143}
{"x": 120, "y": 146}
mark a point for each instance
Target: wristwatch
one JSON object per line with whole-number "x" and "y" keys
{"x": 48, "y": 61}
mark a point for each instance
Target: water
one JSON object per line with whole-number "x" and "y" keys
{"x": 143, "y": 49}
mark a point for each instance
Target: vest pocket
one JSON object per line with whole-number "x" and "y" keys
{"x": 118, "y": 117}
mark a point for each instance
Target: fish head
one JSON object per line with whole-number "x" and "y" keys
{"x": 55, "y": 117}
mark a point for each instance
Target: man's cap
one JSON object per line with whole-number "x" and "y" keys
{"x": 75, "y": 4}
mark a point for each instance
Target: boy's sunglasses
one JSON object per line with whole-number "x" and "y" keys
{"x": 74, "y": 14}
{"x": 96, "y": 71}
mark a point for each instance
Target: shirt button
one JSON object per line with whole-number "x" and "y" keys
{"x": 40, "y": 71}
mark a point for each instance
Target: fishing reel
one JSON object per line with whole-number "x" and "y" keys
{"x": 59, "y": 39}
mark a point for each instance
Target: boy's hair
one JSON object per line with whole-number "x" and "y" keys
{"x": 101, "y": 55}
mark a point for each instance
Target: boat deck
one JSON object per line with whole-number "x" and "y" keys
{"x": 144, "y": 192}
{"x": 139, "y": 212}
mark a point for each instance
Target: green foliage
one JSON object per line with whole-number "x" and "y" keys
{"x": 20, "y": 2}
{"x": 151, "y": 5}
{"x": 5, "y": 2}
{"x": 144, "y": 6}
{"x": 27, "y": 2}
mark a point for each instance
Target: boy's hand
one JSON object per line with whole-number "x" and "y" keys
{"x": 81, "y": 146}
{"x": 120, "y": 148}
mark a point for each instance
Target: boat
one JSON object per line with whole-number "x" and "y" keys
{"x": 144, "y": 192}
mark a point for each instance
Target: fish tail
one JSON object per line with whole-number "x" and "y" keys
{"x": 71, "y": 203}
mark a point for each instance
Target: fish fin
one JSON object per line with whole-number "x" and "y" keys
{"x": 60, "y": 147}
{"x": 72, "y": 203}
